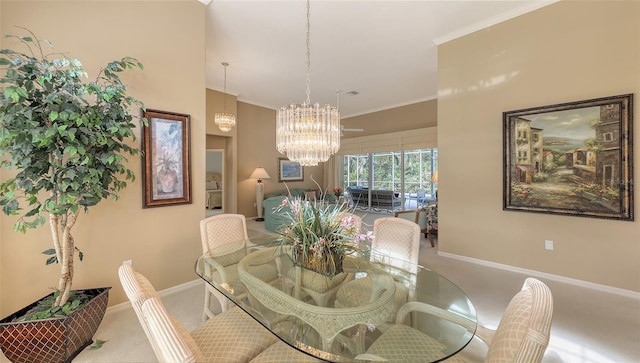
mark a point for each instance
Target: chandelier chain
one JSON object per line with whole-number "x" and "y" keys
{"x": 224, "y": 98}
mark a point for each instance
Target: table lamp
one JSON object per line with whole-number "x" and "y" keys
{"x": 259, "y": 174}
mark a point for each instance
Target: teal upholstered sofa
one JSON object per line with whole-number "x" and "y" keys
{"x": 273, "y": 220}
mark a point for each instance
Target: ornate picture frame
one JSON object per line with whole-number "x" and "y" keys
{"x": 166, "y": 159}
{"x": 289, "y": 170}
{"x": 571, "y": 159}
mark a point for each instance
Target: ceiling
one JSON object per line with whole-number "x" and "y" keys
{"x": 385, "y": 50}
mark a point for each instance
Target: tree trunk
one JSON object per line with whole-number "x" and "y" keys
{"x": 66, "y": 251}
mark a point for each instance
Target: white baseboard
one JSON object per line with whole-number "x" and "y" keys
{"x": 187, "y": 285}
{"x": 566, "y": 280}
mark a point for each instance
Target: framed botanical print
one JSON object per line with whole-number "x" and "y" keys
{"x": 166, "y": 162}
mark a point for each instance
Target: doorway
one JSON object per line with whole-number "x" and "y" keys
{"x": 214, "y": 182}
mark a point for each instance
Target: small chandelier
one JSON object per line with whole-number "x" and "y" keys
{"x": 306, "y": 133}
{"x": 225, "y": 121}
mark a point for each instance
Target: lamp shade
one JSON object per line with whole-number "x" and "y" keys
{"x": 434, "y": 178}
{"x": 259, "y": 173}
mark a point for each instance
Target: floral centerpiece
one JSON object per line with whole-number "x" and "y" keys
{"x": 337, "y": 191}
{"x": 320, "y": 234}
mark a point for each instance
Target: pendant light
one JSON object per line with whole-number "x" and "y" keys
{"x": 225, "y": 121}
{"x": 306, "y": 133}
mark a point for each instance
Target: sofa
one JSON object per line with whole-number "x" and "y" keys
{"x": 273, "y": 220}
{"x": 380, "y": 199}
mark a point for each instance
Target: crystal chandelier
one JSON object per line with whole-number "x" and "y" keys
{"x": 306, "y": 133}
{"x": 225, "y": 121}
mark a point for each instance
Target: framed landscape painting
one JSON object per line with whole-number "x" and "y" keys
{"x": 166, "y": 160}
{"x": 289, "y": 170}
{"x": 572, "y": 159}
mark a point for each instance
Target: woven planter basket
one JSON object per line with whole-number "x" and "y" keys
{"x": 54, "y": 339}
{"x": 319, "y": 264}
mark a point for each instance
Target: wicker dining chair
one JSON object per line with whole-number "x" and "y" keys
{"x": 522, "y": 335}
{"x": 138, "y": 289}
{"x": 232, "y": 336}
{"x": 393, "y": 237}
{"x": 397, "y": 238}
{"x": 226, "y": 233}
{"x": 418, "y": 216}
{"x": 524, "y": 329}
{"x": 229, "y": 337}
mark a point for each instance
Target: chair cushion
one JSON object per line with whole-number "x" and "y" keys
{"x": 282, "y": 353}
{"x": 267, "y": 273}
{"x": 358, "y": 292}
{"x": 402, "y": 343}
{"x": 232, "y": 336}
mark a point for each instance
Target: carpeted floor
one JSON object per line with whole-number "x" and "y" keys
{"x": 589, "y": 326}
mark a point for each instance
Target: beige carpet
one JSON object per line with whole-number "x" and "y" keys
{"x": 589, "y": 326}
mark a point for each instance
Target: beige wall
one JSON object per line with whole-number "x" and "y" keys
{"x": 408, "y": 117}
{"x": 257, "y": 147}
{"x": 168, "y": 38}
{"x": 568, "y": 51}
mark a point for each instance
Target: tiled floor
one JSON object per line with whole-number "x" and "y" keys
{"x": 588, "y": 327}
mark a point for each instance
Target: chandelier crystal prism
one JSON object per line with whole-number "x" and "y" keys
{"x": 225, "y": 121}
{"x": 308, "y": 134}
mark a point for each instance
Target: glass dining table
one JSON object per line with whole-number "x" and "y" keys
{"x": 347, "y": 317}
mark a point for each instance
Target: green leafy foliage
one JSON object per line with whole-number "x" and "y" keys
{"x": 97, "y": 344}
{"x": 54, "y": 259}
{"x": 45, "y": 308}
{"x": 67, "y": 137}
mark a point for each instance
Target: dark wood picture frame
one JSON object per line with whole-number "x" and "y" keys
{"x": 571, "y": 159}
{"x": 289, "y": 170}
{"x": 166, "y": 159}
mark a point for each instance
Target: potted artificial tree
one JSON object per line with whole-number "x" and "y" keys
{"x": 67, "y": 139}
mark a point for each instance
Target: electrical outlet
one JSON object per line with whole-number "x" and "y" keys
{"x": 548, "y": 245}
{"x": 255, "y": 205}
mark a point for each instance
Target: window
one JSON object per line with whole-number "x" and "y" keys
{"x": 356, "y": 170}
{"x": 403, "y": 172}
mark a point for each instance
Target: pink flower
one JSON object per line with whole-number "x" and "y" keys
{"x": 294, "y": 207}
{"x": 284, "y": 203}
{"x": 347, "y": 221}
{"x": 369, "y": 236}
